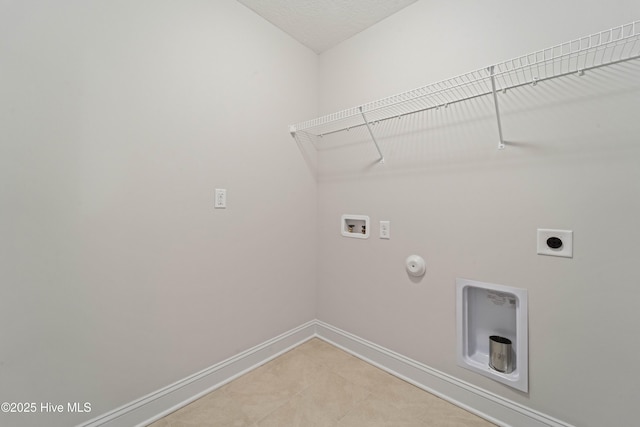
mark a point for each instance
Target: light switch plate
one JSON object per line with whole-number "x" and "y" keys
{"x": 546, "y": 246}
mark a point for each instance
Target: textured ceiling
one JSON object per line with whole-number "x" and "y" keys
{"x": 322, "y": 24}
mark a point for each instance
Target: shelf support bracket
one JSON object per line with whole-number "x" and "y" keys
{"x": 495, "y": 102}
{"x": 366, "y": 122}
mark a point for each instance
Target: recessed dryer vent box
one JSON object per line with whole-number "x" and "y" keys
{"x": 356, "y": 226}
{"x": 484, "y": 310}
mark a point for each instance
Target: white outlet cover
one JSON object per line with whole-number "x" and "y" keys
{"x": 385, "y": 229}
{"x": 220, "y": 201}
{"x": 566, "y": 250}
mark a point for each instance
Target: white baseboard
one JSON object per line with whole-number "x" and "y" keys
{"x": 154, "y": 406}
{"x": 489, "y": 406}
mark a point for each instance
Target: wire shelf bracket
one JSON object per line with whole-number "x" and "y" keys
{"x": 373, "y": 137}
{"x": 495, "y": 102}
{"x": 575, "y": 57}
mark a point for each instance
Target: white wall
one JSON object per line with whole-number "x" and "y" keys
{"x": 472, "y": 211}
{"x": 118, "y": 120}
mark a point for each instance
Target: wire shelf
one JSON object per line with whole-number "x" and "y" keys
{"x": 608, "y": 47}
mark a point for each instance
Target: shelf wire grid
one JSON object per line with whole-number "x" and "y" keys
{"x": 604, "y": 48}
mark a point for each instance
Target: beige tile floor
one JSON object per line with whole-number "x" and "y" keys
{"x": 319, "y": 385}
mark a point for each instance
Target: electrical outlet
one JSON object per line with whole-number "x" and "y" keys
{"x": 385, "y": 229}
{"x": 221, "y": 198}
{"x": 555, "y": 242}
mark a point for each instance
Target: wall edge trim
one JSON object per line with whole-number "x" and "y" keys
{"x": 476, "y": 400}
{"x": 155, "y": 405}
{"x": 490, "y": 406}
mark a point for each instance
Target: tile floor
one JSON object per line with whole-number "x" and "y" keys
{"x": 319, "y": 385}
